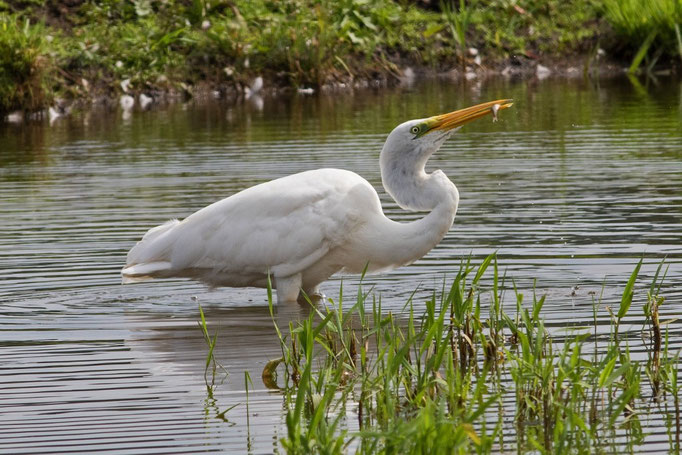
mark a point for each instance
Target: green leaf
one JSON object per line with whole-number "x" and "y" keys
{"x": 629, "y": 292}
{"x": 433, "y": 29}
{"x": 641, "y": 53}
{"x": 606, "y": 372}
{"x": 483, "y": 267}
{"x": 471, "y": 433}
{"x": 537, "y": 307}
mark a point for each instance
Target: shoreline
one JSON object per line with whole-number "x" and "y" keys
{"x": 62, "y": 55}
{"x": 575, "y": 67}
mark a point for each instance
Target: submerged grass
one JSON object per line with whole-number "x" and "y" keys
{"x": 451, "y": 380}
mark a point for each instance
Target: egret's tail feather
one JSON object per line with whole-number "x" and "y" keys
{"x": 158, "y": 230}
{"x": 142, "y": 272}
{"x": 149, "y": 258}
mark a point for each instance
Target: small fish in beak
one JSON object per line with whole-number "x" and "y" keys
{"x": 495, "y": 109}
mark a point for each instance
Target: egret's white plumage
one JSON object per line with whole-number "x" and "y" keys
{"x": 305, "y": 227}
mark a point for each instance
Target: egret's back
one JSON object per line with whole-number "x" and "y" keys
{"x": 283, "y": 227}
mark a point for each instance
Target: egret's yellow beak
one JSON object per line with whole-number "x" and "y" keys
{"x": 454, "y": 119}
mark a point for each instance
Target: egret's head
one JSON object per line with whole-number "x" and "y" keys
{"x": 410, "y": 145}
{"x": 430, "y": 133}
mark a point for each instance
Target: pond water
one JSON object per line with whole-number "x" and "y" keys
{"x": 574, "y": 184}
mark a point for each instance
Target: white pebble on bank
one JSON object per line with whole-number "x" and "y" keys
{"x": 127, "y": 102}
{"x": 15, "y": 117}
{"x": 542, "y": 71}
{"x": 255, "y": 87}
{"x": 145, "y": 101}
{"x": 53, "y": 113}
{"x": 125, "y": 85}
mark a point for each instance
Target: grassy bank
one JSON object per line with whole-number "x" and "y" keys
{"x": 85, "y": 48}
{"x": 453, "y": 377}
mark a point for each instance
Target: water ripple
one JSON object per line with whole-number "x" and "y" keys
{"x": 570, "y": 195}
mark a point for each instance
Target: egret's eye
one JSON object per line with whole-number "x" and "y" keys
{"x": 414, "y": 130}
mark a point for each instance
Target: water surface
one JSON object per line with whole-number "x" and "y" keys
{"x": 574, "y": 184}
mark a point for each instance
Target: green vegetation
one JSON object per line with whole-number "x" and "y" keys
{"x": 453, "y": 380}
{"x": 24, "y": 63}
{"x": 86, "y": 48}
{"x": 651, "y": 26}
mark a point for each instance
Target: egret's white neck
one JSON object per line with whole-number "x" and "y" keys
{"x": 405, "y": 179}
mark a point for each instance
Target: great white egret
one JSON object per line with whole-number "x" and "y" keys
{"x": 303, "y": 228}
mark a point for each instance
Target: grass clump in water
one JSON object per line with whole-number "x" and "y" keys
{"x": 451, "y": 380}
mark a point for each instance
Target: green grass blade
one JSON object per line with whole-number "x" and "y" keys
{"x": 641, "y": 53}
{"x": 629, "y": 292}
{"x": 484, "y": 266}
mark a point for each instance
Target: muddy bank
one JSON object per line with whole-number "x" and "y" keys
{"x": 127, "y": 97}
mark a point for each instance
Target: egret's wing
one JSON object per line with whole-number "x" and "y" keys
{"x": 283, "y": 226}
